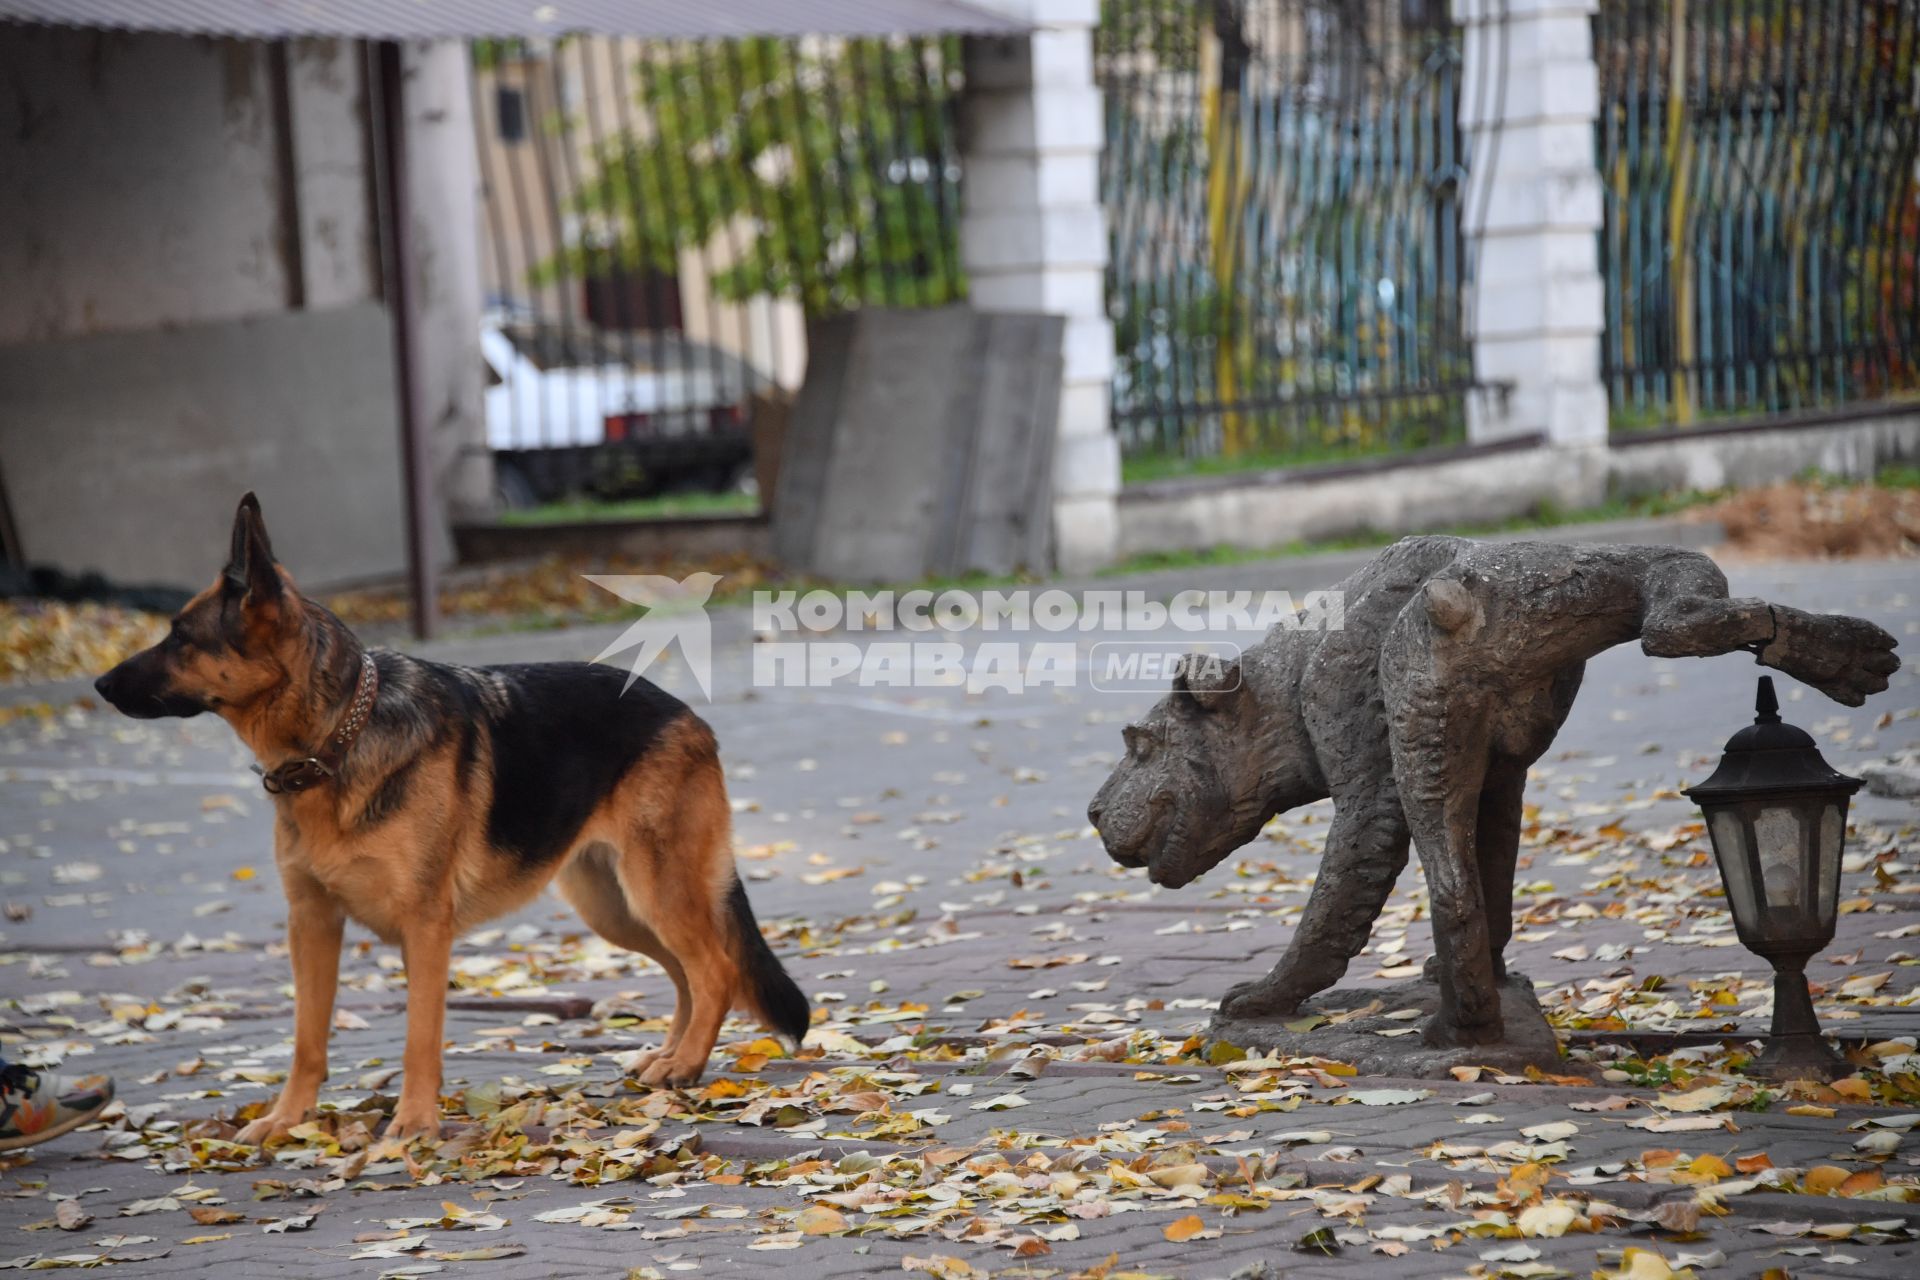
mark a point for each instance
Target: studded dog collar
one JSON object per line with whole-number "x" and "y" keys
{"x": 310, "y": 771}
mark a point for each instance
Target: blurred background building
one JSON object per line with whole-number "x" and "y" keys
{"x": 1323, "y": 266}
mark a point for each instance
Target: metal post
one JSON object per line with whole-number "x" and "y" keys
{"x": 403, "y": 307}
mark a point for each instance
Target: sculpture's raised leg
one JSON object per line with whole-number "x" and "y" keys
{"x": 1365, "y": 852}
{"x": 1688, "y": 615}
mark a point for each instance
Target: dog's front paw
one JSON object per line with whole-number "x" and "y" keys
{"x": 274, "y": 1124}
{"x": 673, "y": 1072}
{"x": 636, "y": 1063}
{"x": 411, "y": 1122}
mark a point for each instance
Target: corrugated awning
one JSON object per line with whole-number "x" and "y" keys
{"x": 472, "y": 19}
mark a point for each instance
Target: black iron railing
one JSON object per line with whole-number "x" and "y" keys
{"x": 1283, "y": 182}
{"x": 1761, "y": 211}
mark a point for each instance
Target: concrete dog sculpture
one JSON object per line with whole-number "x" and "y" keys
{"x": 1455, "y": 668}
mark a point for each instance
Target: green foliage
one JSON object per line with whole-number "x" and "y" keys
{"x": 833, "y": 155}
{"x": 1647, "y": 1075}
{"x": 489, "y": 54}
{"x": 1898, "y": 475}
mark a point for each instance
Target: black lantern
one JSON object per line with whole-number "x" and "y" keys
{"x": 1777, "y": 814}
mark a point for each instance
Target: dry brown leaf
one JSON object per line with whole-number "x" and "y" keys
{"x": 212, "y": 1216}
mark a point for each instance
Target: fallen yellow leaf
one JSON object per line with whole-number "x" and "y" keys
{"x": 1853, "y": 1089}
{"x": 1705, "y": 1099}
{"x": 1549, "y": 1220}
{"x": 1711, "y": 1166}
{"x": 820, "y": 1220}
{"x": 1644, "y": 1264}
{"x": 1180, "y": 1175}
{"x": 1823, "y": 1179}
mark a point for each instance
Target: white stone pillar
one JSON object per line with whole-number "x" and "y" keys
{"x": 1528, "y": 102}
{"x": 1033, "y": 238}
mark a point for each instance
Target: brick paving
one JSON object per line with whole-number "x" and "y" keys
{"x": 928, "y": 838}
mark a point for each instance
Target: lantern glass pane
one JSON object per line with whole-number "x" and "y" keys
{"x": 1729, "y": 831}
{"x": 1783, "y": 856}
{"x": 1833, "y": 837}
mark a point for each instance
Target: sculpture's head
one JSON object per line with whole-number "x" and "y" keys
{"x": 1187, "y": 793}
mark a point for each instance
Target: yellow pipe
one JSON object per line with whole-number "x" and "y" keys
{"x": 1679, "y": 247}
{"x": 1224, "y": 198}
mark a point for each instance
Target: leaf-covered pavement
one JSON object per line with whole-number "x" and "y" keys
{"x": 1002, "y": 1077}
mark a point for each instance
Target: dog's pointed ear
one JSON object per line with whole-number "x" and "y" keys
{"x": 250, "y": 564}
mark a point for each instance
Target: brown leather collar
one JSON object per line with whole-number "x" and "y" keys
{"x": 310, "y": 771}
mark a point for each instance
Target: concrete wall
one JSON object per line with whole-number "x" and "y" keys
{"x": 1274, "y": 509}
{"x": 144, "y": 189}
{"x": 138, "y": 476}
{"x": 1700, "y": 458}
{"x": 1492, "y": 483}
{"x": 182, "y": 220}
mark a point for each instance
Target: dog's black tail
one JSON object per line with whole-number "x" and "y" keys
{"x": 772, "y": 993}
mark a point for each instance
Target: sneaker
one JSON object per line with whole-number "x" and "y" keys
{"x": 35, "y": 1107}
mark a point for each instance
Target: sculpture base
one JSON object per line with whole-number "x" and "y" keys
{"x": 1528, "y": 1042}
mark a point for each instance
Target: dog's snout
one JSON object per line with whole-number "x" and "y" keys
{"x": 1093, "y": 814}
{"x": 104, "y": 686}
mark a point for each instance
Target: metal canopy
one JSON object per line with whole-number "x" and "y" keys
{"x": 434, "y": 19}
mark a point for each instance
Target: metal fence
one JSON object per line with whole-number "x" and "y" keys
{"x": 662, "y": 219}
{"x": 1761, "y": 210}
{"x": 1283, "y": 180}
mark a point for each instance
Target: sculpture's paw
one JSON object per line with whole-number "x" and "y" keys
{"x": 673, "y": 1072}
{"x": 1260, "y": 998}
{"x": 1845, "y": 658}
{"x": 1442, "y": 1032}
{"x": 414, "y": 1121}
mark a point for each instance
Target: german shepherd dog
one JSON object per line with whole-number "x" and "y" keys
{"x": 421, "y": 799}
